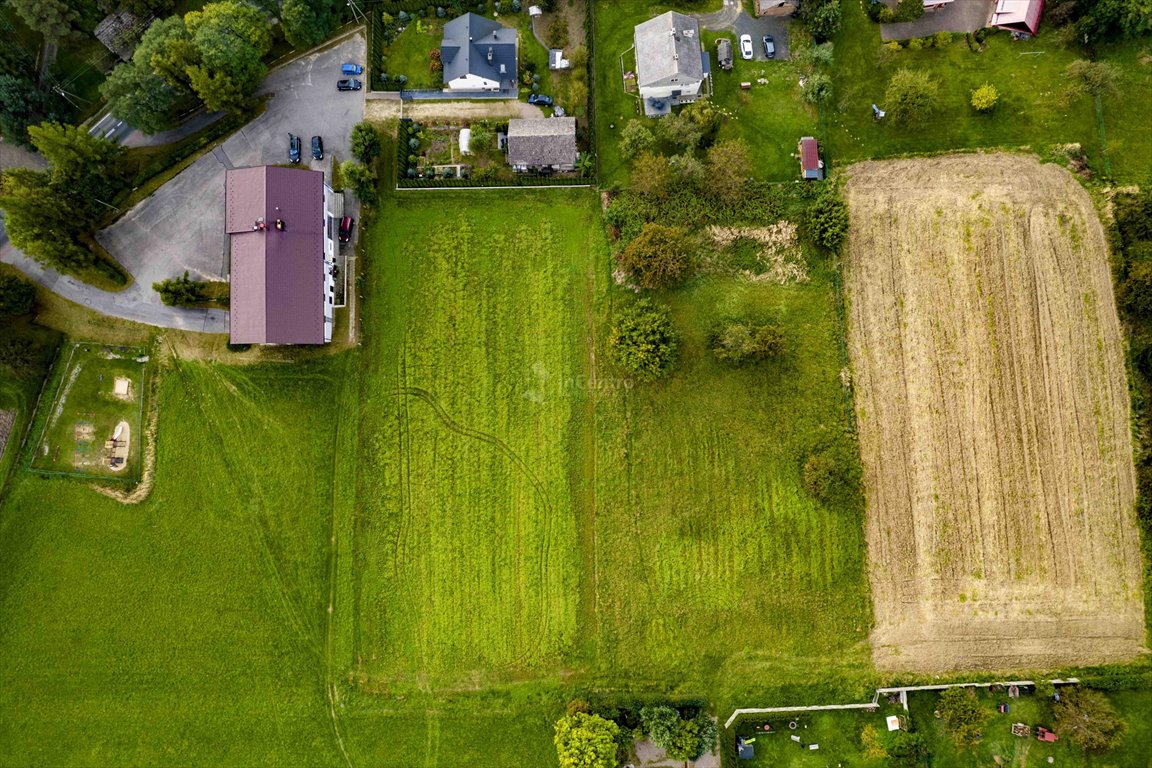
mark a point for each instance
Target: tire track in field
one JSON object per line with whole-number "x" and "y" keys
{"x": 541, "y": 491}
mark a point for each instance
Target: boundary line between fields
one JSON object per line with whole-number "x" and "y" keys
{"x": 510, "y": 186}
{"x": 902, "y": 691}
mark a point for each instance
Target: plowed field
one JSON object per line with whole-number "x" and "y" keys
{"x": 993, "y": 413}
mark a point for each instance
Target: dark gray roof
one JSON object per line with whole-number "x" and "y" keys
{"x": 474, "y": 45}
{"x": 277, "y": 276}
{"x": 542, "y": 141}
{"x": 668, "y": 47}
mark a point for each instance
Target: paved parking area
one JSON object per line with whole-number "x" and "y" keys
{"x": 181, "y": 226}
{"x": 965, "y": 16}
{"x": 732, "y": 17}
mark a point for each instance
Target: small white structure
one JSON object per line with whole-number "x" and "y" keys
{"x": 534, "y": 11}
{"x": 465, "y": 141}
{"x": 893, "y": 722}
{"x": 556, "y": 59}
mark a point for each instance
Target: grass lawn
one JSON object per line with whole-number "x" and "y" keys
{"x": 1033, "y": 110}
{"x": 770, "y": 117}
{"x": 188, "y": 629}
{"x": 836, "y": 733}
{"x": 83, "y": 410}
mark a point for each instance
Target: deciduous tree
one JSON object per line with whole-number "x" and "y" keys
{"x": 962, "y": 715}
{"x": 643, "y": 341}
{"x": 827, "y": 219}
{"x": 307, "y": 22}
{"x": 365, "y": 142}
{"x": 1093, "y": 78}
{"x": 1088, "y": 720}
{"x": 635, "y": 138}
{"x": 659, "y": 257}
{"x": 218, "y": 91}
{"x": 652, "y": 175}
{"x": 586, "y": 741}
{"x": 729, "y": 165}
{"x": 55, "y": 19}
{"x": 361, "y": 180}
{"x": 911, "y": 96}
{"x": 141, "y": 98}
{"x": 17, "y": 295}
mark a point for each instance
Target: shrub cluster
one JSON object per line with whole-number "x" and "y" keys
{"x": 643, "y": 341}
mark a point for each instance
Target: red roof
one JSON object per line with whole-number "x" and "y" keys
{"x": 809, "y": 154}
{"x": 277, "y": 275}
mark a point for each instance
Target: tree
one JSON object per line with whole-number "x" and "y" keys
{"x": 17, "y": 295}
{"x": 652, "y": 175}
{"x": 231, "y": 39}
{"x": 643, "y": 341}
{"x": 1134, "y": 215}
{"x": 810, "y": 57}
{"x": 740, "y": 343}
{"x": 361, "y": 179}
{"x": 1091, "y": 78}
{"x": 962, "y": 716}
{"x": 911, "y": 96}
{"x": 1088, "y": 720}
{"x": 680, "y": 739}
{"x": 218, "y": 91}
{"x": 729, "y": 164}
{"x": 680, "y": 130}
{"x": 22, "y": 103}
{"x": 307, "y": 22}
{"x": 828, "y": 220}
{"x": 635, "y": 138}
{"x": 55, "y": 19}
{"x": 985, "y": 97}
{"x": 166, "y": 49}
{"x": 586, "y": 741}
{"x": 141, "y": 98}
{"x": 1115, "y": 18}
{"x": 687, "y": 171}
{"x": 179, "y": 290}
{"x": 817, "y": 87}
{"x": 822, "y": 17}
{"x": 19, "y": 356}
{"x": 482, "y": 138}
{"x": 831, "y": 473}
{"x": 365, "y": 142}
{"x": 659, "y": 257}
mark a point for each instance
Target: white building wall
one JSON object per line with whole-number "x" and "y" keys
{"x": 687, "y": 90}
{"x": 473, "y": 83}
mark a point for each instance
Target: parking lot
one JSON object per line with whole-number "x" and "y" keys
{"x": 732, "y": 17}
{"x": 181, "y": 227}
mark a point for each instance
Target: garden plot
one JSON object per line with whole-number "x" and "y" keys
{"x": 994, "y": 417}
{"x": 93, "y": 426}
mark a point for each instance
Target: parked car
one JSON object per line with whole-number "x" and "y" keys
{"x": 745, "y": 46}
{"x": 540, "y": 100}
{"x": 351, "y": 69}
{"x": 317, "y": 148}
{"x": 346, "y": 228}
{"x": 769, "y": 47}
{"x": 724, "y": 52}
{"x": 351, "y": 84}
{"x": 293, "y": 148}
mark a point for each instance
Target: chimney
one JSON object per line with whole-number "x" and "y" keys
{"x": 489, "y": 54}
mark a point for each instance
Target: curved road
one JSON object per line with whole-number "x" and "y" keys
{"x": 146, "y": 241}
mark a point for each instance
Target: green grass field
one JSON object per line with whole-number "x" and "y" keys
{"x": 83, "y": 410}
{"x": 1033, "y": 111}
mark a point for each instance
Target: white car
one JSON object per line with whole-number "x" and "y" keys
{"x": 746, "y": 46}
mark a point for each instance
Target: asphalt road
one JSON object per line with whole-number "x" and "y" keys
{"x": 180, "y": 227}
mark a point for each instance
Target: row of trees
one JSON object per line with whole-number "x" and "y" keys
{"x": 589, "y": 740}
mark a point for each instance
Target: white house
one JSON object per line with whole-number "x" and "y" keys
{"x": 671, "y": 66}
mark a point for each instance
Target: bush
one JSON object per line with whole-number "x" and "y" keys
{"x": 17, "y": 295}
{"x": 365, "y": 142}
{"x": 831, "y": 474}
{"x": 659, "y": 257}
{"x": 909, "y": 10}
{"x": 827, "y": 219}
{"x": 822, "y": 17}
{"x": 911, "y": 96}
{"x": 985, "y": 97}
{"x": 1134, "y": 215}
{"x": 1088, "y": 720}
{"x": 817, "y": 88}
{"x": 586, "y": 741}
{"x": 740, "y": 343}
{"x": 557, "y": 36}
{"x": 643, "y": 341}
{"x": 680, "y": 739}
{"x": 942, "y": 39}
{"x": 1136, "y": 290}
{"x": 179, "y": 291}
{"x": 915, "y": 44}
{"x": 962, "y": 716}
{"x": 1093, "y": 78}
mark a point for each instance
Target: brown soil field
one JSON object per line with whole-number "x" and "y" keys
{"x": 993, "y": 413}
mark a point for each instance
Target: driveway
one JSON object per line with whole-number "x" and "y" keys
{"x": 732, "y": 17}
{"x": 181, "y": 226}
{"x": 961, "y": 16}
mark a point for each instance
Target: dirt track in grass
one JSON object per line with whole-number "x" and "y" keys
{"x": 993, "y": 413}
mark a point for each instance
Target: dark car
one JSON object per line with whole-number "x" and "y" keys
{"x": 351, "y": 69}
{"x": 351, "y": 84}
{"x": 294, "y": 148}
{"x": 317, "y": 148}
{"x": 346, "y": 228}
{"x": 769, "y": 47}
{"x": 540, "y": 100}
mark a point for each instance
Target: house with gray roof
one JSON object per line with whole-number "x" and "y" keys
{"x": 671, "y": 66}
{"x": 542, "y": 143}
{"x": 478, "y": 54}
{"x": 281, "y": 229}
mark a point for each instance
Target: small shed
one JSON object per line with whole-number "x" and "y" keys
{"x": 534, "y": 11}
{"x": 893, "y": 722}
{"x": 811, "y": 166}
{"x": 776, "y": 7}
{"x": 556, "y": 59}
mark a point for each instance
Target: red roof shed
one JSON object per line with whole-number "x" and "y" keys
{"x": 810, "y": 165}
